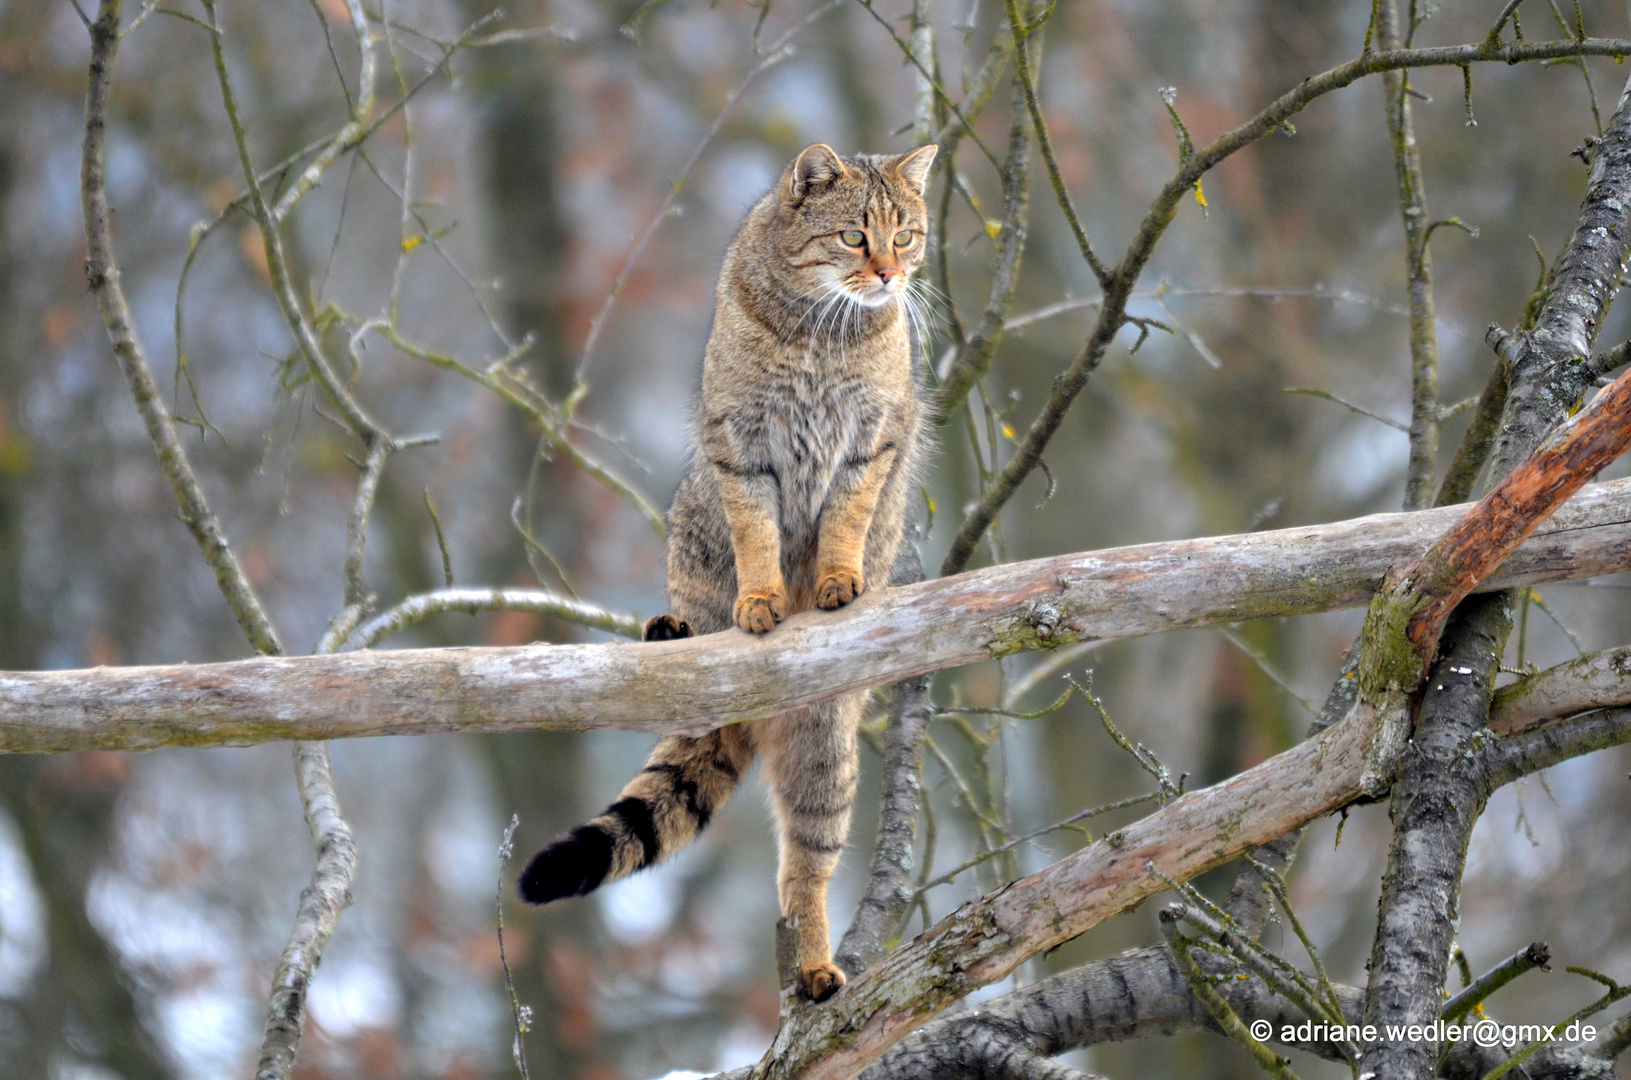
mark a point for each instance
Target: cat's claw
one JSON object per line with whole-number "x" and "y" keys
{"x": 820, "y": 981}
{"x": 837, "y": 588}
{"x": 758, "y": 612}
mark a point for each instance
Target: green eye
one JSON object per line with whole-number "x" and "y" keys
{"x": 853, "y": 237}
{"x": 903, "y": 238}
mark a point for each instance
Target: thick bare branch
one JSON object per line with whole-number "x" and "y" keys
{"x": 1516, "y": 506}
{"x": 695, "y": 684}
{"x": 1597, "y": 681}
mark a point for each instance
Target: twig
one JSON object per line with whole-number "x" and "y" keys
{"x": 520, "y": 1015}
{"x": 906, "y": 49}
{"x": 501, "y": 378}
{"x": 1538, "y": 955}
{"x": 441, "y": 540}
{"x": 102, "y": 271}
{"x": 1272, "y": 969}
{"x": 1021, "y": 34}
{"x": 1139, "y": 753}
{"x": 1346, "y": 404}
{"x": 1616, "y": 993}
{"x": 974, "y": 359}
{"x": 1256, "y": 656}
{"x": 1424, "y": 418}
{"x": 1036, "y": 834}
{"x": 1316, "y": 292}
{"x": 1267, "y": 1060}
{"x": 473, "y": 601}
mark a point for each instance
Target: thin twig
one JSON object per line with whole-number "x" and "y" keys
{"x": 1538, "y": 955}
{"x": 474, "y": 601}
{"x": 1424, "y": 408}
{"x": 1346, "y": 404}
{"x": 1199, "y": 985}
{"x": 520, "y": 1015}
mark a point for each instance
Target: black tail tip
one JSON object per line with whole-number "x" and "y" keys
{"x": 574, "y": 865}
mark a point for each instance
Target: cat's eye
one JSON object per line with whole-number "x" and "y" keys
{"x": 853, "y": 237}
{"x": 903, "y": 238}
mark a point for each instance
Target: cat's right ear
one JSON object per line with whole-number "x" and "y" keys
{"x": 817, "y": 167}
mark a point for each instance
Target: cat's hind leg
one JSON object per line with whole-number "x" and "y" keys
{"x": 810, "y": 756}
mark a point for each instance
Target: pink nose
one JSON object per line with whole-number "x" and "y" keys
{"x": 888, "y": 273}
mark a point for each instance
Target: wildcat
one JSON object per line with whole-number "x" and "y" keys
{"x": 809, "y": 431}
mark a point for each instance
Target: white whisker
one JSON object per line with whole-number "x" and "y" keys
{"x": 827, "y": 286}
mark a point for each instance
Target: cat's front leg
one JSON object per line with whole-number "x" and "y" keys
{"x": 750, "y": 493}
{"x": 845, "y": 521}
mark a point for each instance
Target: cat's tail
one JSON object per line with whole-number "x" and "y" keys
{"x": 660, "y": 811}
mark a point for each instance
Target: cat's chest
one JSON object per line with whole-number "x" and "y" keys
{"x": 812, "y": 420}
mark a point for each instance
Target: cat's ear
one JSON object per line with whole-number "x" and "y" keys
{"x": 914, "y": 167}
{"x": 817, "y": 167}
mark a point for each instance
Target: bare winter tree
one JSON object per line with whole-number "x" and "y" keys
{"x": 1423, "y": 714}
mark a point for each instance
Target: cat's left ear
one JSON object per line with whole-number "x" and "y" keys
{"x": 817, "y": 167}
{"x": 914, "y": 167}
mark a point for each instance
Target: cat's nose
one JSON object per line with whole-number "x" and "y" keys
{"x": 887, "y": 273}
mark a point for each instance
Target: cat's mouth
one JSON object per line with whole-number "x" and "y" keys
{"x": 875, "y": 297}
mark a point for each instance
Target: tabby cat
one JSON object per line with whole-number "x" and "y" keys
{"x": 809, "y": 428}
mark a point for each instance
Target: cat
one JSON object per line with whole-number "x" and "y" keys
{"x": 809, "y": 437}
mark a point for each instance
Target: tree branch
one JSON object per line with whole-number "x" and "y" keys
{"x": 1447, "y": 775}
{"x": 695, "y": 684}
{"x": 888, "y": 892}
{"x": 974, "y": 359}
{"x": 102, "y": 270}
{"x": 473, "y": 601}
{"x": 1597, "y": 681}
{"x": 1424, "y": 418}
{"x": 1112, "y": 315}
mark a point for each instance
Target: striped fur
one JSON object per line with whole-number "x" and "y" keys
{"x": 809, "y": 431}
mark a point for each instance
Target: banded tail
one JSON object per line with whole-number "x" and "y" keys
{"x": 660, "y": 811}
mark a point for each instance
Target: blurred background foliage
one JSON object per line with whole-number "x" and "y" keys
{"x": 144, "y": 898}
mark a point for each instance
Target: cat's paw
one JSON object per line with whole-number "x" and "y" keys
{"x": 837, "y": 588}
{"x": 666, "y": 628}
{"x": 820, "y": 981}
{"x": 756, "y": 612}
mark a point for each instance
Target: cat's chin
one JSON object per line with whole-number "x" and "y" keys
{"x": 876, "y": 298}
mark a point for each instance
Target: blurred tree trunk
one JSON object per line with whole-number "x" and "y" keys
{"x": 63, "y": 808}
{"x": 536, "y": 776}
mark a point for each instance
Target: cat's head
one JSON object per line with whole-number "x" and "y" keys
{"x": 855, "y": 228}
